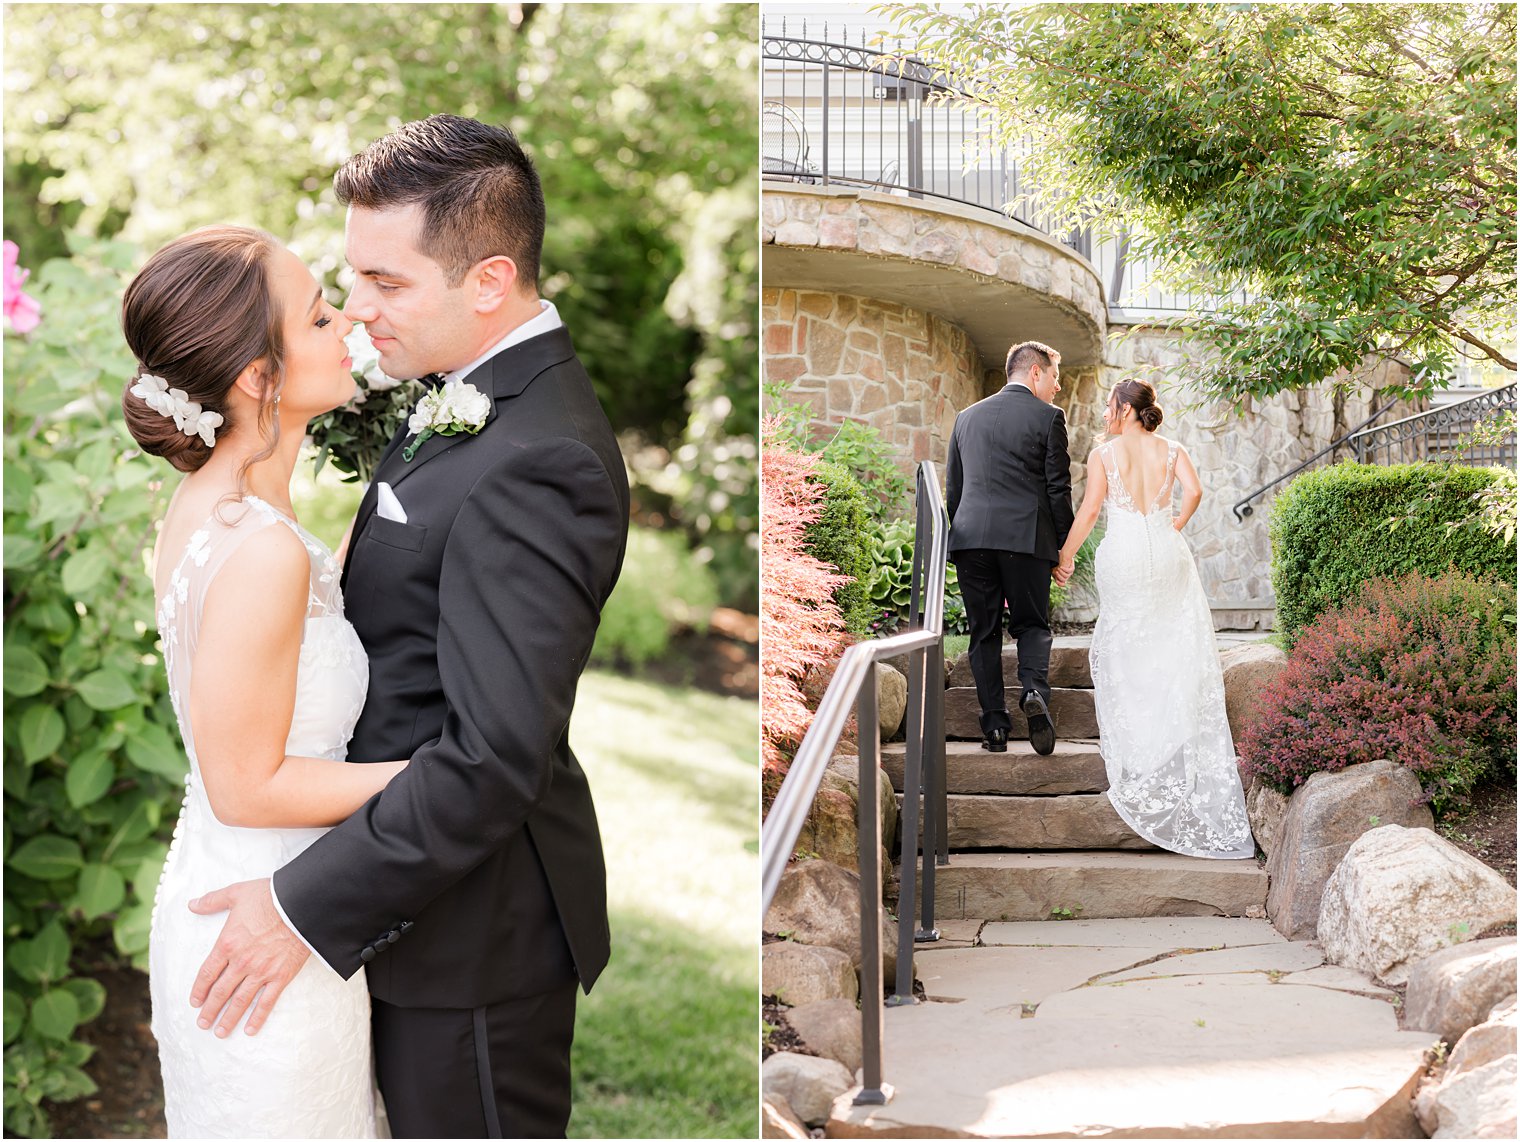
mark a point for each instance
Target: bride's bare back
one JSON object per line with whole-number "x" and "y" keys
{"x": 1142, "y": 467}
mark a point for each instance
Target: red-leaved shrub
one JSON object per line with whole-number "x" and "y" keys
{"x": 800, "y": 625}
{"x": 1418, "y": 670}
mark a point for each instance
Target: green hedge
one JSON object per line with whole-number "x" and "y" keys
{"x": 840, "y": 538}
{"x": 1334, "y": 529}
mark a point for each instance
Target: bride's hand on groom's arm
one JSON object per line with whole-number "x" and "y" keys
{"x": 253, "y": 959}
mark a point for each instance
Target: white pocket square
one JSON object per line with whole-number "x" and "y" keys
{"x": 387, "y": 505}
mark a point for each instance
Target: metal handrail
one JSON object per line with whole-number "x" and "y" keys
{"x": 1242, "y": 507}
{"x": 1421, "y": 427}
{"x": 854, "y": 682}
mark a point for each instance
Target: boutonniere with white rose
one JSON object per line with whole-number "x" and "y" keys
{"x": 450, "y": 409}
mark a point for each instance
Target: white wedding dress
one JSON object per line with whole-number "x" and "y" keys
{"x": 1162, "y": 728}
{"x": 307, "y": 1073}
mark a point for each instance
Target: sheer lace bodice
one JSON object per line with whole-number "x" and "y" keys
{"x": 307, "y": 1073}
{"x": 1162, "y": 727}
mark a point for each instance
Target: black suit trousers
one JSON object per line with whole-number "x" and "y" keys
{"x": 988, "y": 580}
{"x": 498, "y": 1071}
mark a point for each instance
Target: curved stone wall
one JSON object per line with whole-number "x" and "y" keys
{"x": 997, "y": 279}
{"x": 904, "y": 371}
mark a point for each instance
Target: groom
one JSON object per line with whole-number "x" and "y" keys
{"x": 473, "y": 888}
{"x": 1008, "y": 483}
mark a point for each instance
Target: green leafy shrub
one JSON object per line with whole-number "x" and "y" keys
{"x": 93, "y": 767}
{"x": 663, "y": 588}
{"x": 839, "y": 537}
{"x": 858, "y": 446}
{"x": 1420, "y": 671}
{"x": 1334, "y": 529}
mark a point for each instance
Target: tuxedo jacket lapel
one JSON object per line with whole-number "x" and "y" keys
{"x": 509, "y": 373}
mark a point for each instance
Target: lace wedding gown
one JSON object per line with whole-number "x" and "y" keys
{"x": 307, "y": 1073}
{"x": 1160, "y": 694}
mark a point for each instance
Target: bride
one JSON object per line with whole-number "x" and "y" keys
{"x": 237, "y": 351}
{"x": 1160, "y": 694}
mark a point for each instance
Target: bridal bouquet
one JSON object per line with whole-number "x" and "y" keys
{"x": 354, "y": 435}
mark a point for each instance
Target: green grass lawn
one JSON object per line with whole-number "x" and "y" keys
{"x": 956, "y": 645}
{"x": 666, "y": 1044}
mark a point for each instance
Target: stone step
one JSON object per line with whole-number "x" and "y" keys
{"x": 1073, "y": 709}
{"x": 1068, "y": 663}
{"x": 1095, "y": 885}
{"x": 1071, "y": 821}
{"x": 1075, "y": 767}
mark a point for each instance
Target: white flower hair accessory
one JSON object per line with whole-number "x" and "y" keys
{"x": 188, "y": 416}
{"x": 456, "y": 407}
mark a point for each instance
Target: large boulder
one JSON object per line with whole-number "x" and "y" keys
{"x": 1456, "y": 988}
{"x": 1248, "y": 671}
{"x": 806, "y": 1083}
{"x": 818, "y": 903}
{"x": 891, "y": 699}
{"x": 1400, "y": 894}
{"x": 830, "y": 1027}
{"x": 778, "y": 1120}
{"x": 1326, "y": 814}
{"x": 799, "y": 974}
{"x": 1479, "y": 1103}
{"x": 831, "y": 830}
{"x": 1492, "y": 1039}
{"x": 1266, "y": 808}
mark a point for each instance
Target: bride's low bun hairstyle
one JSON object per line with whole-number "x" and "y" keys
{"x": 196, "y": 315}
{"x": 1140, "y": 396}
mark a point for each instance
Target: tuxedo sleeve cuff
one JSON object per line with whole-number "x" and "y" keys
{"x": 275, "y": 896}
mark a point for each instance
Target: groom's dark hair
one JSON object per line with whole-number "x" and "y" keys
{"x": 479, "y": 193}
{"x": 1026, "y": 354}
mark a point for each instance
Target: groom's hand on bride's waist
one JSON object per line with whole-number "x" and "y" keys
{"x": 253, "y": 959}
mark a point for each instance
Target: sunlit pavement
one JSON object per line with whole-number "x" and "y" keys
{"x": 1187, "y": 1027}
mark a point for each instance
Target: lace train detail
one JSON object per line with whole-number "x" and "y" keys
{"x": 1162, "y": 726}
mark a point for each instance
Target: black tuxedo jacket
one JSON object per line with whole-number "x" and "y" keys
{"x": 477, "y": 874}
{"x": 1008, "y": 476}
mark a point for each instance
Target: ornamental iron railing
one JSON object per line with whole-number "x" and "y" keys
{"x": 837, "y": 113}
{"x": 1442, "y": 434}
{"x": 840, "y": 113}
{"x": 854, "y": 685}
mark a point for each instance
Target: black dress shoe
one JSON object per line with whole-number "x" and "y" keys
{"x": 1042, "y": 731}
{"x": 996, "y": 741}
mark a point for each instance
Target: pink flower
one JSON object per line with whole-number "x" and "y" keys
{"x": 21, "y": 311}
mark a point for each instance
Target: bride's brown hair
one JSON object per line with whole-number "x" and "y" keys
{"x": 1140, "y": 396}
{"x": 197, "y": 314}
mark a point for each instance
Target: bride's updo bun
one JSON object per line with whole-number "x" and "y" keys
{"x": 1140, "y": 396}
{"x": 196, "y": 315}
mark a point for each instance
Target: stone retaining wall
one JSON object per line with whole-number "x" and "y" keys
{"x": 904, "y": 371}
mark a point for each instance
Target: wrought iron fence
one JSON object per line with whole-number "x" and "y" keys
{"x": 1442, "y": 434}
{"x": 854, "y": 683}
{"x": 840, "y": 113}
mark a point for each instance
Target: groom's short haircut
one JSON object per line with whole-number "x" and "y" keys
{"x": 479, "y": 193}
{"x": 1026, "y": 354}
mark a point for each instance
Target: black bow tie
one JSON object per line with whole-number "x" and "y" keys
{"x": 433, "y": 380}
